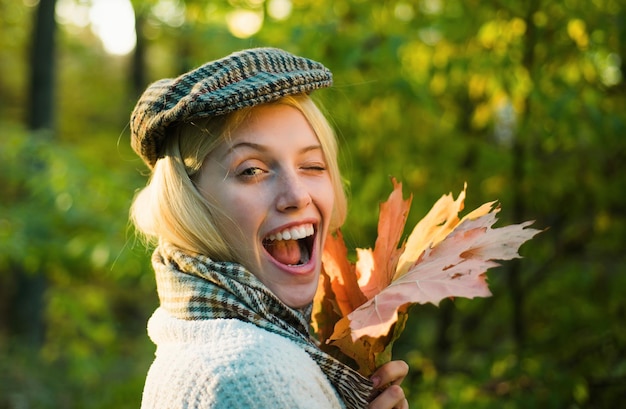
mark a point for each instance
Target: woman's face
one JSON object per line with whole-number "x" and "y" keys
{"x": 276, "y": 199}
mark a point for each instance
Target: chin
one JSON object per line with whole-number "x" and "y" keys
{"x": 298, "y": 299}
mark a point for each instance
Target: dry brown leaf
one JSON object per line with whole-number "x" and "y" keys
{"x": 444, "y": 256}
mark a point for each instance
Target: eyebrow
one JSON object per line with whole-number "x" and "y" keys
{"x": 263, "y": 148}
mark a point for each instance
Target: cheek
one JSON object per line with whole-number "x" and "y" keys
{"x": 326, "y": 198}
{"x": 240, "y": 214}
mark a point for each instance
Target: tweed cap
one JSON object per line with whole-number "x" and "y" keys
{"x": 242, "y": 79}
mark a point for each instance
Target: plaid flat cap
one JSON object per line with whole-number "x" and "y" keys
{"x": 242, "y": 79}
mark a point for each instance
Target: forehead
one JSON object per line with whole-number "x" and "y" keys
{"x": 272, "y": 125}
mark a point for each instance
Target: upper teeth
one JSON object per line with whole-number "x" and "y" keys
{"x": 293, "y": 233}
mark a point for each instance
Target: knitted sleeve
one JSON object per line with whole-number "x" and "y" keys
{"x": 232, "y": 364}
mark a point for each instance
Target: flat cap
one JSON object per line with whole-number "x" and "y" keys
{"x": 242, "y": 79}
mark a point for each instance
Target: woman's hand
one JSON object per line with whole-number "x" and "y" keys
{"x": 388, "y": 378}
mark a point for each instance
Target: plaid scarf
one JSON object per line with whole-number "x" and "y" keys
{"x": 197, "y": 288}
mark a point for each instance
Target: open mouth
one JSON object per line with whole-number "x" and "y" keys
{"x": 292, "y": 246}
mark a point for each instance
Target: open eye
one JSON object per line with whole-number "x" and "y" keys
{"x": 251, "y": 172}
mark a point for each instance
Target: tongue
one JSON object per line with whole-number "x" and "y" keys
{"x": 285, "y": 251}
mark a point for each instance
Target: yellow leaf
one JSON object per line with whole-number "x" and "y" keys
{"x": 434, "y": 227}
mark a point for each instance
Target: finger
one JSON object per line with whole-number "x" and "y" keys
{"x": 392, "y": 397}
{"x": 392, "y": 372}
{"x": 401, "y": 371}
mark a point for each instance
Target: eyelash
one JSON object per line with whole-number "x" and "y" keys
{"x": 256, "y": 171}
{"x": 252, "y": 171}
{"x": 320, "y": 168}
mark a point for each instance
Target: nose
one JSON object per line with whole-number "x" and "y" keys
{"x": 293, "y": 193}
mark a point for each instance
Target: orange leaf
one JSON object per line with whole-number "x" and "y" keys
{"x": 377, "y": 269}
{"x": 368, "y": 353}
{"x": 366, "y": 303}
{"x": 343, "y": 280}
{"x": 362, "y": 351}
{"x": 325, "y": 311}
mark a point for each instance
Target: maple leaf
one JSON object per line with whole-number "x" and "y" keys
{"x": 338, "y": 292}
{"x": 444, "y": 256}
{"x": 376, "y": 268}
{"x": 325, "y": 312}
{"x": 341, "y": 273}
{"x": 454, "y": 268}
{"x": 436, "y": 226}
{"x": 367, "y": 352}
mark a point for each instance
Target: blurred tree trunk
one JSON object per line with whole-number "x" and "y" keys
{"x": 139, "y": 79}
{"x": 185, "y": 49}
{"x": 27, "y": 320}
{"x": 516, "y": 288}
{"x": 41, "y": 93}
{"x": 443, "y": 343}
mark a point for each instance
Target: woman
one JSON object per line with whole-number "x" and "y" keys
{"x": 244, "y": 188}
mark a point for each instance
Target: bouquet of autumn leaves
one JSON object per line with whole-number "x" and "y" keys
{"x": 361, "y": 308}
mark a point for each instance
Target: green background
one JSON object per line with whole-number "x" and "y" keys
{"x": 523, "y": 100}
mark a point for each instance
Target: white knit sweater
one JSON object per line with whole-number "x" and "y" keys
{"x": 227, "y": 363}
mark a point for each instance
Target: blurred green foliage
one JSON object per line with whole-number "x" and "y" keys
{"x": 523, "y": 100}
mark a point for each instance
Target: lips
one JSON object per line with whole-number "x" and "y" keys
{"x": 292, "y": 246}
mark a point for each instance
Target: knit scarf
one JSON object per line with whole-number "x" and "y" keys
{"x": 193, "y": 287}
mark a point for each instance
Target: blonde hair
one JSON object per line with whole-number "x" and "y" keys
{"x": 171, "y": 209}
